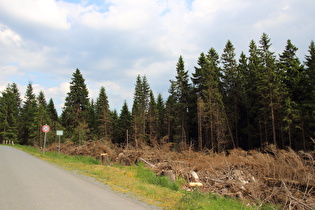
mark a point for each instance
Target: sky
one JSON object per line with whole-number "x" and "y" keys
{"x": 114, "y": 41}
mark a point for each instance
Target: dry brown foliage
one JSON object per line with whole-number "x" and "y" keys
{"x": 270, "y": 175}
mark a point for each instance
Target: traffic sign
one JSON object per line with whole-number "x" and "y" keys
{"x": 59, "y": 132}
{"x": 46, "y": 128}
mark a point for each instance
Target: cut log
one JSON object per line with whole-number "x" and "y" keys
{"x": 147, "y": 162}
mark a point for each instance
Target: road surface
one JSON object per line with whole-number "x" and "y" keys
{"x": 27, "y": 182}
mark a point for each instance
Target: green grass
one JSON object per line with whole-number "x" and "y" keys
{"x": 198, "y": 200}
{"x": 150, "y": 177}
{"x": 141, "y": 183}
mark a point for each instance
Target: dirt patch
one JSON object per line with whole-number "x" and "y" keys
{"x": 270, "y": 175}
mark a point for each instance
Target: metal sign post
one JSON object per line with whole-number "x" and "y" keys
{"x": 59, "y": 133}
{"x": 45, "y": 129}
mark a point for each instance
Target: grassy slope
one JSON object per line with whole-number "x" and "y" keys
{"x": 131, "y": 180}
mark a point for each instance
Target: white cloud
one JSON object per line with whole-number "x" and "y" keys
{"x": 9, "y": 37}
{"x": 45, "y": 40}
{"x": 43, "y": 12}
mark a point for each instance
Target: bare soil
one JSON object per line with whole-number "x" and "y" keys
{"x": 268, "y": 175}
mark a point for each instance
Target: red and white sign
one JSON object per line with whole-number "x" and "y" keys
{"x": 46, "y": 128}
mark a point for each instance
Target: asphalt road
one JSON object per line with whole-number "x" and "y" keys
{"x": 27, "y": 182}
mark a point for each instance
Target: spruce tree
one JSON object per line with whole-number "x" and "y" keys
{"x": 152, "y": 119}
{"x": 231, "y": 88}
{"x": 290, "y": 69}
{"x": 269, "y": 86}
{"x": 43, "y": 117}
{"x": 124, "y": 121}
{"x": 182, "y": 89}
{"x": 103, "y": 114}
{"x": 10, "y": 103}
{"x": 140, "y": 110}
{"x": 161, "y": 122}
{"x": 53, "y": 119}
{"x": 29, "y": 118}
{"x": 308, "y": 103}
{"x": 75, "y": 110}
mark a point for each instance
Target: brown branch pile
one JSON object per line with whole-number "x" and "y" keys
{"x": 270, "y": 175}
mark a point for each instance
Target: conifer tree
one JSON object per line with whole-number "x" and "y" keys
{"x": 43, "y": 118}
{"x": 125, "y": 119}
{"x": 182, "y": 90}
{"x": 161, "y": 118}
{"x": 152, "y": 119}
{"x": 308, "y": 102}
{"x": 269, "y": 85}
{"x": 114, "y": 126}
{"x": 140, "y": 110}
{"x": 255, "y": 128}
{"x": 172, "y": 119}
{"x": 214, "y": 103}
{"x": 10, "y": 103}
{"x": 76, "y": 106}
{"x": 103, "y": 114}
{"x": 291, "y": 69}
{"x": 53, "y": 119}
{"x": 92, "y": 120}
{"x": 29, "y": 118}
{"x": 231, "y": 88}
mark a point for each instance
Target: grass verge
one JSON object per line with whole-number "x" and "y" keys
{"x": 140, "y": 182}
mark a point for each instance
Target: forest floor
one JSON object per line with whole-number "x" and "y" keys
{"x": 268, "y": 175}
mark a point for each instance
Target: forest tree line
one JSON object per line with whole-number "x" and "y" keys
{"x": 225, "y": 103}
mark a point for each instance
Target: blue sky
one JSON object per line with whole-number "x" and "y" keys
{"x": 112, "y": 41}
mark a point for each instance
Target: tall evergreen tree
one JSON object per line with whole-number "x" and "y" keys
{"x": 10, "y": 103}
{"x": 231, "y": 89}
{"x": 214, "y": 103}
{"x": 125, "y": 119}
{"x": 308, "y": 103}
{"x": 103, "y": 114}
{"x": 161, "y": 118}
{"x": 152, "y": 119}
{"x": 29, "y": 118}
{"x": 53, "y": 119}
{"x": 75, "y": 109}
{"x": 43, "y": 118}
{"x": 269, "y": 86}
{"x": 290, "y": 69}
{"x": 140, "y": 110}
{"x": 182, "y": 90}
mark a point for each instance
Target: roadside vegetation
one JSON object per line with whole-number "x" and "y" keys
{"x": 140, "y": 182}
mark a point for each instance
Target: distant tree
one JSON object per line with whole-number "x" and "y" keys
{"x": 182, "y": 90}
{"x": 140, "y": 110}
{"x": 92, "y": 120}
{"x": 103, "y": 114}
{"x": 231, "y": 89}
{"x": 53, "y": 119}
{"x": 290, "y": 69}
{"x": 161, "y": 120}
{"x": 214, "y": 103}
{"x": 114, "y": 126}
{"x": 29, "y": 118}
{"x": 171, "y": 117}
{"x": 269, "y": 86}
{"x": 124, "y": 121}
{"x": 43, "y": 117}
{"x": 75, "y": 110}
{"x": 152, "y": 119}
{"x": 10, "y": 103}
{"x": 308, "y": 101}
